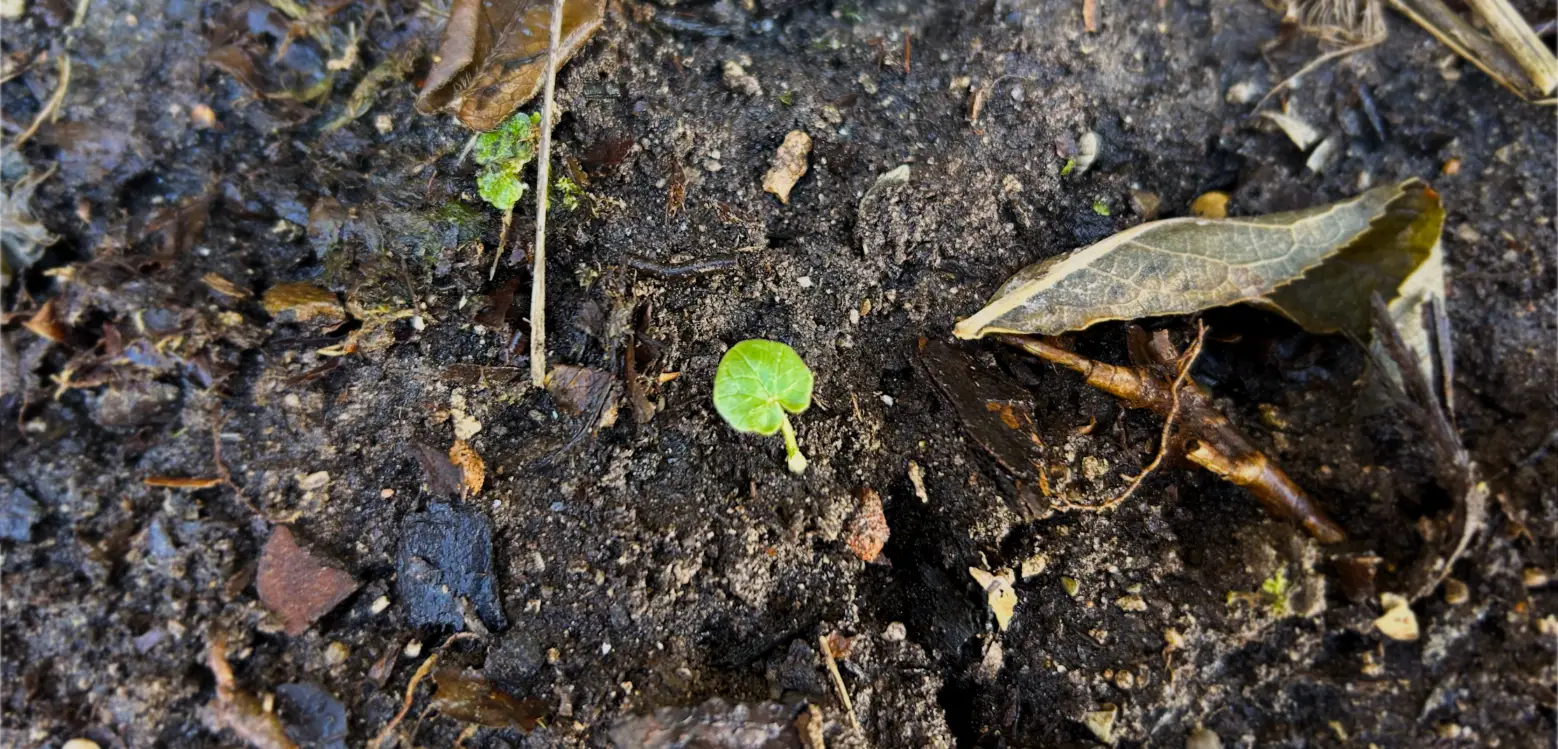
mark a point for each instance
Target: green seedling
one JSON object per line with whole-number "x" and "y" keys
{"x": 756, "y": 383}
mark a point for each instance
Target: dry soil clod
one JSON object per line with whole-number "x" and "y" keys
{"x": 789, "y": 165}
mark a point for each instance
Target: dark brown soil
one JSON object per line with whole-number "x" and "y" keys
{"x": 658, "y": 564}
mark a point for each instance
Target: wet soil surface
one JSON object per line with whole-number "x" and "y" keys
{"x": 612, "y": 567}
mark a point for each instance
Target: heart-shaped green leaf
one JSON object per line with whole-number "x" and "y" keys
{"x": 757, "y": 382}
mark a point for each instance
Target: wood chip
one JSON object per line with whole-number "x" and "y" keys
{"x": 789, "y": 165}
{"x": 296, "y": 585}
{"x": 999, "y": 593}
{"x": 178, "y": 482}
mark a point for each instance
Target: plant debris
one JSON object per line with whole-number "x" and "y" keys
{"x": 296, "y": 585}
{"x": 868, "y": 531}
{"x": 234, "y": 709}
{"x": 1398, "y": 622}
{"x": 789, "y": 165}
{"x": 1000, "y": 596}
{"x": 467, "y": 696}
{"x": 1211, "y": 442}
{"x": 472, "y": 469}
{"x": 493, "y": 56}
{"x": 1317, "y": 266}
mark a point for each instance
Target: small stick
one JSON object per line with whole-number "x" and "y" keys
{"x": 1090, "y": 16}
{"x": 1187, "y": 361}
{"x": 543, "y": 179}
{"x": 1517, "y": 36}
{"x": 838, "y": 681}
{"x": 1317, "y": 62}
{"x": 906, "y": 48}
{"x": 1448, "y": 27}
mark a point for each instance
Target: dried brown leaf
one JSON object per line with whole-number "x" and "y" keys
{"x": 1185, "y": 265}
{"x": 236, "y": 710}
{"x": 46, "y": 323}
{"x": 493, "y": 56}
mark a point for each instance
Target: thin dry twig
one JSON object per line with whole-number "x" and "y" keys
{"x": 543, "y": 178}
{"x": 1187, "y": 361}
{"x": 1510, "y": 29}
{"x": 838, "y": 681}
{"x": 53, "y": 104}
{"x": 1312, "y": 65}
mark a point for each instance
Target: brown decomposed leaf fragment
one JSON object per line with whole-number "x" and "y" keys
{"x": 303, "y": 302}
{"x": 789, "y": 165}
{"x": 296, "y": 585}
{"x": 868, "y": 532}
{"x": 46, "y": 323}
{"x": 467, "y": 696}
{"x": 579, "y": 390}
{"x": 444, "y": 479}
{"x": 493, "y": 56}
{"x": 236, "y": 710}
{"x": 471, "y": 466}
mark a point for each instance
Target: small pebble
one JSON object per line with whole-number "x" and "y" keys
{"x": 1534, "y": 577}
{"x": 380, "y": 604}
{"x": 804, "y": 281}
{"x": 80, "y": 744}
{"x": 1202, "y": 738}
{"x": 895, "y": 632}
{"x": 413, "y": 649}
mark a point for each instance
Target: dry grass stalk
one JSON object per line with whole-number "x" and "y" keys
{"x": 1517, "y": 36}
{"x": 543, "y": 179}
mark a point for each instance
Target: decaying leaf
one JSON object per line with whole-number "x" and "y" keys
{"x": 584, "y": 390}
{"x": 46, "y": 323}
{"x": 471, "y": 466}
{"x": 789, "y": 165}
{"x": 468, "y": 696}
{"x": 303, "y": 302}
{"x": 443, "y": 477}
{"x": 493, "y": 56}
{"x": 1317, "y": 266}
{"x": 868, "y": 532}
{"x": 999, "y": 593}
{"x": 235, "y": 709}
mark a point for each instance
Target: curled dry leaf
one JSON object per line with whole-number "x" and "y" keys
{"x": 584, "y": 390}
{"x": 789, "y": 165}
{"x": 868, "y": 532}
{"x": 303, "y": 302}
{"x": 472, "y": 467}
{"x": 493, "y": 56}
{"x": 1318, "y": 266}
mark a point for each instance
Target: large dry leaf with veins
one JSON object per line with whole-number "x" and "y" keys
{"x": 493, "y": 56}
{"x": 1317, "y": 266}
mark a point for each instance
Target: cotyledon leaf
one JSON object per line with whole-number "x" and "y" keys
{"x": 1184, "y": 265}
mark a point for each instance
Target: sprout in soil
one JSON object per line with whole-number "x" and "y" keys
{"x": 757, "y": 382}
